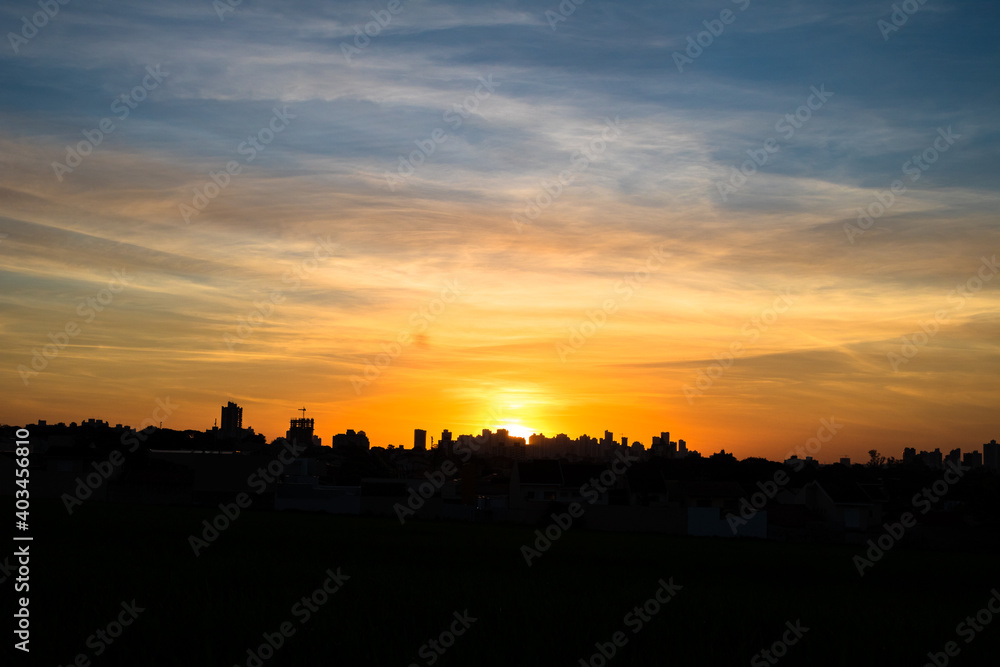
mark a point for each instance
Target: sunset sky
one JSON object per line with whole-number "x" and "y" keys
{"x": 454, "y": 262}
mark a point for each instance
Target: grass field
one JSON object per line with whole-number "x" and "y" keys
{"x": 406, "y": 582}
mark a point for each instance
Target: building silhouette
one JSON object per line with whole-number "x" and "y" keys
{"x": 232, "y": 419}
{"x": 300, "y": 431}
{"x": 991, "y": 455}
{"x": 972, "y": 459}
{"x": 445, "y": 444}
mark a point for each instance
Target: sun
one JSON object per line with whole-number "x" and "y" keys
{"x": 517, "y": 430}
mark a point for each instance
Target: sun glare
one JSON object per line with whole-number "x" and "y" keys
{"x": 517, "y": 430}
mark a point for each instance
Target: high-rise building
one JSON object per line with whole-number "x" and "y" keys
{"x": 991, "y": 455}
{"x": 419, "y": 440}
{"x": 931, "y": 459}
{"x": 954, "y": 456}
{"x": 232, "y": 418}
{"x": 300, "y": 431}
{"x": 518, "y": 449}
{"x": 446, "y": 444}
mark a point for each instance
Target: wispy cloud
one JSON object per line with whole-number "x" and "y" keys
{"x": 324, "y": 177}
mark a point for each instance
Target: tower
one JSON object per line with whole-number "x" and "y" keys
{"x": 232, "y": 418}
{"x": 300, "y": 431}
{"x": 991, "y": 455}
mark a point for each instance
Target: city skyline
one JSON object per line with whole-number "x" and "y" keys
{"x": 545, "y": 445}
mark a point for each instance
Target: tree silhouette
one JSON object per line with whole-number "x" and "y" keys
{"x": 876, "y": 460}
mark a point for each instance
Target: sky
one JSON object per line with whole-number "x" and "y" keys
{"x": 729, "y": 220}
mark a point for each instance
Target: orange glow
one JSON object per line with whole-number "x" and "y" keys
{"x": 637, "y": 303}
{"x": 518, "y": 431}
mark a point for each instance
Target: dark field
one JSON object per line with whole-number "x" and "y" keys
{"x": 406, "y": 582}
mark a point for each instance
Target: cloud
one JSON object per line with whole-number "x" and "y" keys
{"x": 327, "y": 175}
